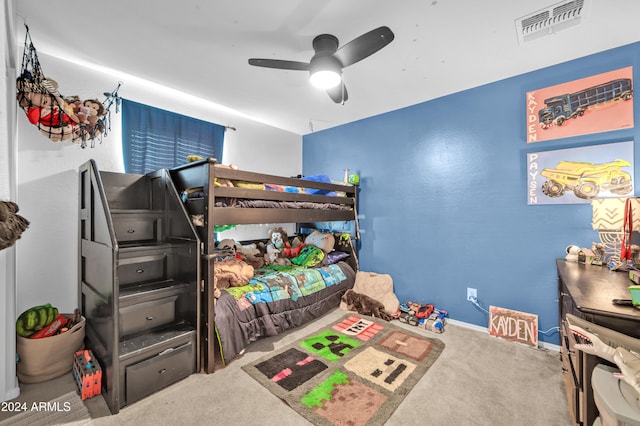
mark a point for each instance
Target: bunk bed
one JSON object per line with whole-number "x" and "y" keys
{"x": 216, "y": 196}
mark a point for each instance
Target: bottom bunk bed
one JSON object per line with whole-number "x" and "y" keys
{"x": 277, "y": 298}
{"x": 220, "y": 197}
{"x": 246, "y": 314}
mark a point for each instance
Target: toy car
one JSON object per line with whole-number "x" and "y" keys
{"x": 407, "y": 315}
{"x": 436, "y": 320}
{"x": 423, "y": 311}
{"x": 412, "y": 313}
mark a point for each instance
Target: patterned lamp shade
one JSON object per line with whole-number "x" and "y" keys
{"x": 608, "y": 220}
{"x": 608, "y": 214}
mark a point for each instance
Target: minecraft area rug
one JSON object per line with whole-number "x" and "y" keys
{"x": 356, "y": 371}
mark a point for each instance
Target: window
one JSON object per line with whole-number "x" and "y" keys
{"x": 153, "y": 138}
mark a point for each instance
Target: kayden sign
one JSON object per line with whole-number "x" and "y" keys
{"x": 514, "y": 326}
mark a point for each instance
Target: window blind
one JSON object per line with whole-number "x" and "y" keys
{"x": 154, "y": 138}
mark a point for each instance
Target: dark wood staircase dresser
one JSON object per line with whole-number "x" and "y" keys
{"x": 138, "y": 276}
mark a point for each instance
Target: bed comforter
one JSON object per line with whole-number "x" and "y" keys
{"x": 275, "y": 301}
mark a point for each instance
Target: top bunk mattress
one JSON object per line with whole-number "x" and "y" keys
{"x": 241, "y": 197}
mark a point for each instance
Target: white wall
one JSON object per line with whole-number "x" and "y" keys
{"x": 8, "y": 384}
{"x": 47, "y": 178}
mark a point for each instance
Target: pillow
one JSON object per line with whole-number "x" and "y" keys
{"x": 309, "y": 256}
{"x": 336, "y": 256}
{"x": 377, "y": 286}
{"x": 324, "y": 241}
{"x": 319, "y": 178}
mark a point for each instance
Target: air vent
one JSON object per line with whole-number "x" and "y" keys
{"x": 551, "y": 19}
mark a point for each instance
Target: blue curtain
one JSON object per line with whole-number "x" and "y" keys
{"x": 154, "y": 139}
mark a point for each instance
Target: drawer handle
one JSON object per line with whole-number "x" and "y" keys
{"x": 164, "y": 370}
{"x": 130, "y": 231}
{"x": 149, "y": 318}
{"x": 139, "y": 271}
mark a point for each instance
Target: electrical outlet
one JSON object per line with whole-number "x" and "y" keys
{"x": 472, "y": 294}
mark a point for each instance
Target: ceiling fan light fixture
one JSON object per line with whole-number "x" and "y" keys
{"x": 325, "y": 72}
{"x": 325, "y": 79}
{"x": 325, "y": 67}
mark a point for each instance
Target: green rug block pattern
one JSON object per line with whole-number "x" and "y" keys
{"x": 323, "y": 392}
{"x": 330, "y": 345}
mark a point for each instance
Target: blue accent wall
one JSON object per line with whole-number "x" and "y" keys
{"x": 443, "y": 194}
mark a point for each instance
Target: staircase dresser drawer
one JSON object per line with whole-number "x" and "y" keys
{"x": 147, "y": 315}
{"x": 153, "y": 374}
{"x": 135, "y": 227}
{"x": 141, "y": 269}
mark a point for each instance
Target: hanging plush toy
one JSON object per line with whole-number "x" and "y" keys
{"x": 95, "y": 110}
{"x": 58, "y": 118}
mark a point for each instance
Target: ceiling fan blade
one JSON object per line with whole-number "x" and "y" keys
{"x": 365, "y": 45}
{"x": 279, "y": 64}
{"x": 338, "y": 93}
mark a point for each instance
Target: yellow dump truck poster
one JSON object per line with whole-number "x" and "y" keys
{"x": 594, "y": 104}
{"x": 578, "y": 175}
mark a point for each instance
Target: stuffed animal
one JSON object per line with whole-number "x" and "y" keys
{"x": 46, "y": 109}
{"x": 364, "y": 305}
{"x": 82, "y": 111}
{"x": 252, "y": 256}
{"x": 293, "y": 248}
{"x": 95, "y": 110}
{"x": 278, "y": 239}
{"x": 12, "y": 225}
{"x": 249, "y": 253}
{"x": 191, "y": 158}
{"x": 61, "y": 133}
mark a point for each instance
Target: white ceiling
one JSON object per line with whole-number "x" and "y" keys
{"x": 201, "y": 47}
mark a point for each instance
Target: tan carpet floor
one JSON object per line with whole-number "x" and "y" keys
{"x": 478, "y": 380}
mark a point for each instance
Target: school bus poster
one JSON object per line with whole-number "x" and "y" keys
{"x": 589, "y": 105}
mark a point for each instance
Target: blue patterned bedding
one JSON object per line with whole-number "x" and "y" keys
{"x": 275, "y": 301}
{"x": 269, "y": 285}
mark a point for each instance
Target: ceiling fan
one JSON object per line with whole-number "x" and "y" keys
{"x": 325, "y": 67}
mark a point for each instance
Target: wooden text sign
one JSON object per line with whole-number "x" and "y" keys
{"x": 514, "y": 326}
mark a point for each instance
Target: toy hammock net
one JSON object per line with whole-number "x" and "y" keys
{"x": 60, "y": 118}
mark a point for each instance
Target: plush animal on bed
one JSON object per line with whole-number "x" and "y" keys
{"x": 279, "y": 249}
{"x": 277, "y": 238}
{"x": 250, "y": 253}
{"x": 231, "y": 273}
{"x": 364, "y": 305}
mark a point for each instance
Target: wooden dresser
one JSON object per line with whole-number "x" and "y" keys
{"x": 586, "y": 291}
